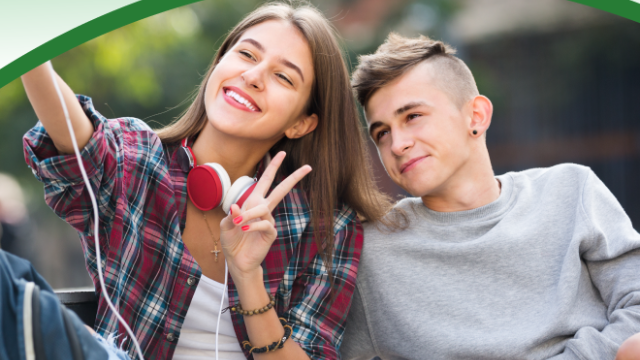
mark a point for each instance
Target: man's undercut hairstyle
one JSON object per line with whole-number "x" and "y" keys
{"x": 398, "y": 54}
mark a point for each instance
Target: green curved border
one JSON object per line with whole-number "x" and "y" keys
{"x": 144, "y": 8}
{"x": 626, "y": 8}
{"x": 85, "y": 32}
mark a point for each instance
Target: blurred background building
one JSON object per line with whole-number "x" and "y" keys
{"x": 564, "y": 79}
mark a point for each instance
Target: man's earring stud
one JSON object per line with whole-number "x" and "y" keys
{"x": 475, "y": 132}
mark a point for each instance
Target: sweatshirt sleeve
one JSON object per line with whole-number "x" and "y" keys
{"x": 611, "y": 253}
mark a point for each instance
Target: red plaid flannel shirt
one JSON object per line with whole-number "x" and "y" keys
{"x": 141, "y": 193}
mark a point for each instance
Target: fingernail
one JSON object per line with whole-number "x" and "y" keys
{"x": 237, "y": 220}
{"x": 230, "y": 211}
{"x": 245, "y": 228}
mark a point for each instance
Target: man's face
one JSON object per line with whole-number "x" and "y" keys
{"x": 421, "y": 134}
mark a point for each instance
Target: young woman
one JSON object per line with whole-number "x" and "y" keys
{"x": 277, "y": 84}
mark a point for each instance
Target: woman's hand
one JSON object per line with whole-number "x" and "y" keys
{"x": 246, "y": 234}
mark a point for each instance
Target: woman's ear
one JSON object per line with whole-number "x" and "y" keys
{"x": 302, "y": 127}
{"x": 481, "y": 117}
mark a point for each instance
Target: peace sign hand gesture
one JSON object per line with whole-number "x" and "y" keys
{"x": 247, "y": 234}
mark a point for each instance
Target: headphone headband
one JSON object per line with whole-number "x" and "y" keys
{"x": 186, "y": 157}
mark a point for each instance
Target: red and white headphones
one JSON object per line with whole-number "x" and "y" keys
{"x": 209, "y": 185}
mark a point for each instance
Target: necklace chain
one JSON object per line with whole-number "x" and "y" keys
{"x": 215, "y": 242}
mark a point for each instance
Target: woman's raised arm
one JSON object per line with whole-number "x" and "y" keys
{"x": 46, "y": 103}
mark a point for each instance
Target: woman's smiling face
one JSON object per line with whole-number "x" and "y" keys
{"x": 261, "y": 86}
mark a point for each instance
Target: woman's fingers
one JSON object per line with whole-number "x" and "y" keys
{"x": 263, "y": 185}
{"x": 227, "y": 222}
{"x": 286, "y": 185}
{"x": 259, "y": 212}
{"x": 263, "y": 226}
{"x": 269, "y": 174}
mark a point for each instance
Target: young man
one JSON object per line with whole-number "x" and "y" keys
{"x": 538, "y": 264}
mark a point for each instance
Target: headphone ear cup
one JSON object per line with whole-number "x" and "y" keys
{"x": 207, "y": 186}
{"x": 238, "y": 193}
{"x": 224, "y": 178}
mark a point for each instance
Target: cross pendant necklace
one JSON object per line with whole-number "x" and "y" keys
{"x": 215, "y": 242}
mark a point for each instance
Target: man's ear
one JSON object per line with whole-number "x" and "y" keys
{"x": 481, "y": 116}
{"x": 302, "y": 127}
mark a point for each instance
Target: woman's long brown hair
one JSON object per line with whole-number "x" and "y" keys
{"x": 335, "y": 149}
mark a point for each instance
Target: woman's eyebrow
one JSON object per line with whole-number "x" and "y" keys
{"x": 293, "y": 66}
{"x": 284, "y": 62}
{"x": 254, "y": 43}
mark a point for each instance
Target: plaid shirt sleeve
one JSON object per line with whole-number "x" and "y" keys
{"x": 318, "y": 321}
{"x": 64, "y": 189}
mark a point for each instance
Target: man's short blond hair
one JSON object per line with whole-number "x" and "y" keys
{"x": 399, "y": 54}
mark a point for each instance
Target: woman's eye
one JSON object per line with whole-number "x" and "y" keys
{"x": 246, "y": 54}
{"x": 412, "y": 116}
{"x": 285, "y": 78}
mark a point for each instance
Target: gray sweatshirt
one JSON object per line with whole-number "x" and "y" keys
{"x": 551, "y": 269}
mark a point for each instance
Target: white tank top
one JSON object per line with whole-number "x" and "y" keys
{"x": 198, "y": 335}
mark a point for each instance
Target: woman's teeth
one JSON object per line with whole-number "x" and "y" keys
{"x": 241, "y": 100}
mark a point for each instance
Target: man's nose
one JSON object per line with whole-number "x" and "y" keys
{"x": 401, "y": 143}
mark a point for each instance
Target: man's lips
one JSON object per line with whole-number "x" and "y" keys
{"x": 239, "y": 99}
{"x": 411, "y": 164}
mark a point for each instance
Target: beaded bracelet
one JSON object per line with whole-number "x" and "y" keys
{"x": 275, "y": 345}
{"x": 238, "y": 309}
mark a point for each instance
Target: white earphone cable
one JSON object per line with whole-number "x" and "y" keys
{"x": 96, "y": 218}
{"x": 224, "y": 292}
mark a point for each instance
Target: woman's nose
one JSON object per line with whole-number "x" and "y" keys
{"x": 253, "y": 78}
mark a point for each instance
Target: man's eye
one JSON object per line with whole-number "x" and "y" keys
{"x": 380, "y": 134}
{"x": 412, "y": 116}
{"x": 285, "y": 78}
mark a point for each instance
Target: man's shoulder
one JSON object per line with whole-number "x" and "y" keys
{"x": 402, "y": 211}
{"x": 558, "y": 186}
{"x": 408, "y": 203}
{"x": 561, "y": 173}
